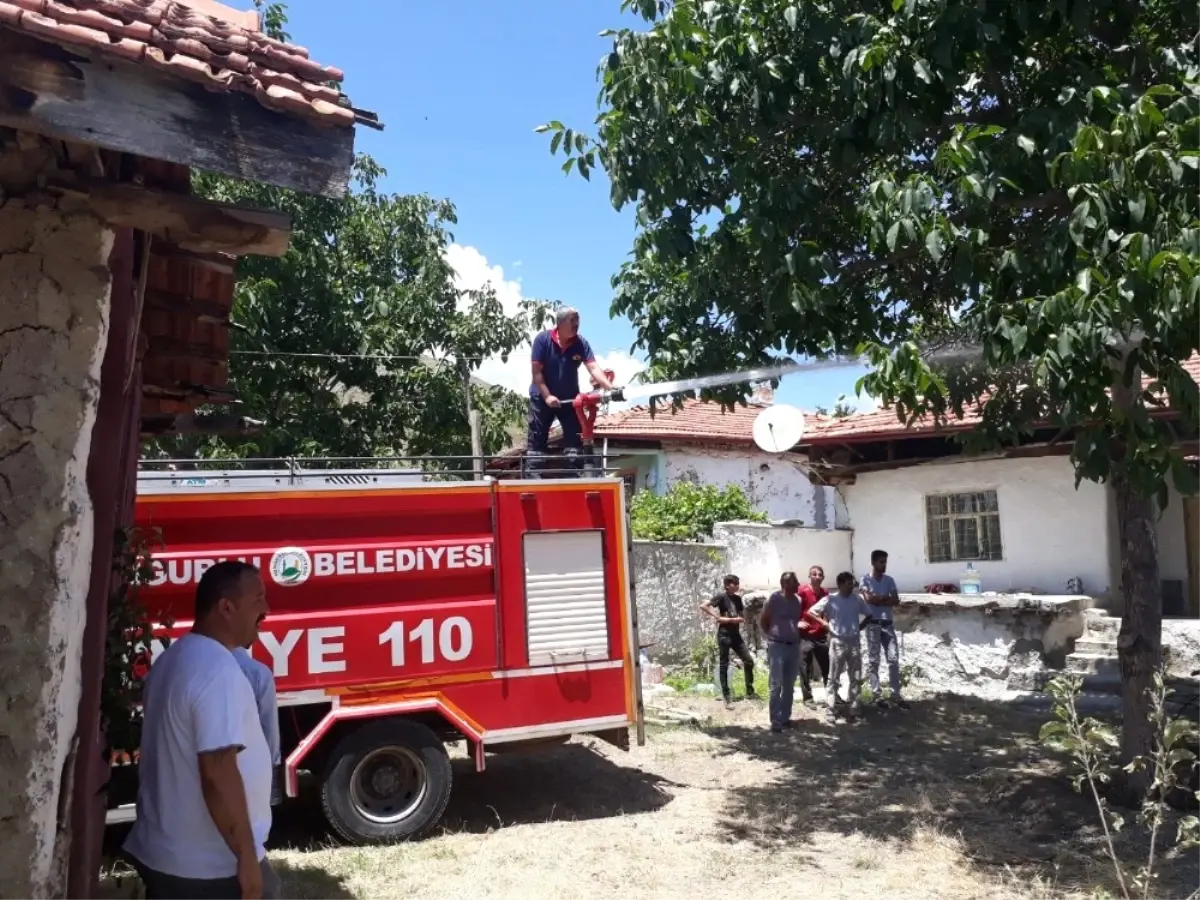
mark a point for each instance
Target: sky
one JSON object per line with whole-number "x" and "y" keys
{"x": 460, "y": 88}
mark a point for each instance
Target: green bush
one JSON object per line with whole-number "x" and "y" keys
{"x": 688, "y": 512}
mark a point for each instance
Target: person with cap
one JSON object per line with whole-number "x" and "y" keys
{"x": 556, "y": 357}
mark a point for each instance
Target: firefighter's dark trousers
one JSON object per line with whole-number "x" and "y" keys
{"x": 541, "y": 417}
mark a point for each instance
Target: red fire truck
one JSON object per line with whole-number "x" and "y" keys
{"x": 408, "y": 614}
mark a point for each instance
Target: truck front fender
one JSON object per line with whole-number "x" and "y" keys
{"x": 435, "y": 704}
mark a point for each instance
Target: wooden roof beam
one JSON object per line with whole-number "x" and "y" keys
{"x": 109, "y": 103}
{"x": 219, "y": 424}
{"x": 200, "y": 226}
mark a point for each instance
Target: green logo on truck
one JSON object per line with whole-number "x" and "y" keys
{"x": 290, "y": 566}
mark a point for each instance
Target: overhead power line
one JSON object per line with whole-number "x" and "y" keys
{"x": 379, "y": 356}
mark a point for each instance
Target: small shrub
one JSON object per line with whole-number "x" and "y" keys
{"x": 688, "y": 512}
{"x": 1092, "y": 746}
{"x": 704, "y": 656}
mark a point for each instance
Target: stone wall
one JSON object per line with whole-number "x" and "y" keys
{"x": 773, "y": 482}
{"x": 671, "y": 581}
{"x": 760, "y": 553}
{"x": 1181, "y": 641}
{"x": 988, "y": 646}
{"x": 54, "y": 308}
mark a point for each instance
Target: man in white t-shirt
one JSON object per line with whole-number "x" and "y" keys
{"x": 204, "y": 772}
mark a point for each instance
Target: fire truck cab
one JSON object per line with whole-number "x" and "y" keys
{"x": 409, "y": 614}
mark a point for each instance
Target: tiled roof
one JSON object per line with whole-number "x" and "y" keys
{"x": 201, "y": 40}
{"x": 698, "y": 420}
{"x": 883, "y": 423}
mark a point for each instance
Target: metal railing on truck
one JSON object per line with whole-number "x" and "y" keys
{"x": 333, "y": 472}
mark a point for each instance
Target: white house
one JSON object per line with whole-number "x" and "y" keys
{"x": 1016, "y": 516}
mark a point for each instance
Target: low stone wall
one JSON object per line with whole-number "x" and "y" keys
{"x": 671, "y": 580}
{"x": 759, "y": 553}
{"x": 990, "y": 645}
{"x": 1181, "y": 639}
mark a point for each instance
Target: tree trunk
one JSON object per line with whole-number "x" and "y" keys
{"x": 1139, "y": 643}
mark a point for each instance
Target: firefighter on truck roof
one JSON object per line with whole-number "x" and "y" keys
{"x": 556, "y": 358}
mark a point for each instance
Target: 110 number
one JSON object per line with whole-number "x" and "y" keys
{"x": 454, "y": 640}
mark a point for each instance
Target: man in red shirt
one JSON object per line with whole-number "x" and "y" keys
{"x": 814, "y": 636}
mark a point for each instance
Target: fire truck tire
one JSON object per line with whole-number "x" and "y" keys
{"x": 386, "y": 781}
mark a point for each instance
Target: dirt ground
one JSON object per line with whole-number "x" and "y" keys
{"x": 952, "y": 799}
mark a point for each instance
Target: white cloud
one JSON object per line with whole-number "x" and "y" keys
{"x": 864, "y": 403}
{"x": 472, "y": 271}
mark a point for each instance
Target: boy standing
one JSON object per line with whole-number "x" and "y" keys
{"x": 879, "y": 590}
{"x": 780, "y": 621}
{"x": 843, "y": 613}
{"x": 727, "y": 610}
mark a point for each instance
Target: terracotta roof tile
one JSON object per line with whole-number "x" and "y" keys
{"x": 697, "y": 420}
{"x": 201, "y": 40}
{"x": 883, "y": 423}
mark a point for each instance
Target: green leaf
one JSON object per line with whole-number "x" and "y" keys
{"x": 554, "y": 143}
{"x": 1019, "y": 336}
{"x": 921, "y": 68}
{"x": 1026, "y": 144}
{"x": 1052, "y": 731}
{"x": 791, "y": 15}
{"x": 933, "y": 243}
{"x": 893, "y": 234}
{"x": 1137, "y": 208}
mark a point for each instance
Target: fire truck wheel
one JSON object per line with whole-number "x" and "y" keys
{"x": 386, "y": 781}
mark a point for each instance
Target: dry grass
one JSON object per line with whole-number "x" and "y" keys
{"x": 952, "y": 799}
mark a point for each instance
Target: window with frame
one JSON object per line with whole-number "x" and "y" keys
{"x": 963, "y": 527}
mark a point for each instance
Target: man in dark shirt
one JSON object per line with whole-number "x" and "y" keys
{"x": 727, "y": 608}
{"x": 556, "y": 357}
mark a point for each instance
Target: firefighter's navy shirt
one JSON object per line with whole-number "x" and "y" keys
{"x": 559, "y": 364}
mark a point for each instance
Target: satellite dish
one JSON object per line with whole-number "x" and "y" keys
{"x": 778, "y": 429}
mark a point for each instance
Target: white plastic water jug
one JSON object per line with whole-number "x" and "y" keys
{"x": 971, "y": 582}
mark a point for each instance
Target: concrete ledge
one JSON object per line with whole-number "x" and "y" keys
{"x": 1038, "y": 603}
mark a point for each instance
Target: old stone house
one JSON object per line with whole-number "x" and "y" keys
{"x": 117, "y": 288}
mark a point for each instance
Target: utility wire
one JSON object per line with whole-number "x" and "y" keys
{"x": 386, "y": 356}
